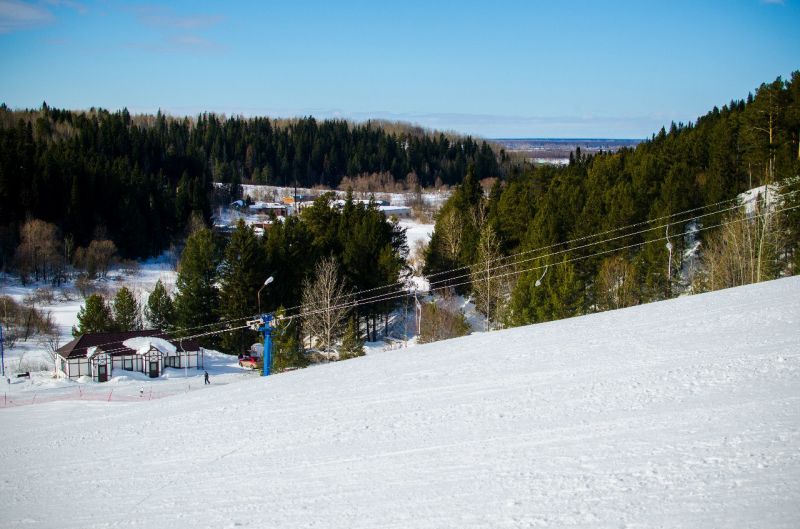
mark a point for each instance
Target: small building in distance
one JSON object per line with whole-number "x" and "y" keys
{"x": 395, "y": 211}
{"x": 103, "y": 355}
{"x": 381, "y": 205}
{"x": 273, "y": 209}
{"x": 299, "y": 202}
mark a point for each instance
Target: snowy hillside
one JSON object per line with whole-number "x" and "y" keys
{"x": 684, "y": 413}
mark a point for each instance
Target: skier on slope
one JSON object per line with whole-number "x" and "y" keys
{"x": 206, "y": 377}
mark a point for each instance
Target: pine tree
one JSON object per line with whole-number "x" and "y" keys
{"x": 286, "y": 349}
{"x": 241, "y": 277}
{"x": 352, "y": 344}
{"x": 565, "y": 296}
{"x": 94, "y": 316}
{"x": 197, "y": 298}
{"x": 552, "y": 293}
{"x": 160, "y": 310}
{"x": 126, "y": 311}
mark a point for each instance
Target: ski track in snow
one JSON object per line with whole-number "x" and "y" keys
{"x": 684, "y": 413}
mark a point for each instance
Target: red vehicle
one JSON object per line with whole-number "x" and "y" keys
{"x": 249, "y": 362}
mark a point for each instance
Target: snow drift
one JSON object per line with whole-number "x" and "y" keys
{"x": 684, "y": 413}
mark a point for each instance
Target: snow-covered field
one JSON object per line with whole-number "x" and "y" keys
{"x": 684, "y": 413}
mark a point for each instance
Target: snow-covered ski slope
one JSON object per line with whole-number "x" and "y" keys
{"x": 684, "y": 413}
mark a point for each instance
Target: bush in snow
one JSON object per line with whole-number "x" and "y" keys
{"x": 352, "y": 344}
{"x": 440, "y": 321}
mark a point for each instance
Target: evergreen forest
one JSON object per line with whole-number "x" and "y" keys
{"x": 139, "y": 181}
{"x": 546, "y": 242}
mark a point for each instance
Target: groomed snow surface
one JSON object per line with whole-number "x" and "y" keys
{"x": 684, "y": 413}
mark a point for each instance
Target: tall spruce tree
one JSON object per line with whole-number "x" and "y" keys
{"x": 241, "y": 277}
{"x": 160, "y": 310}
{"x": 127, "y": 312}
{"x": 94, "y": 316}
{"x": 197, "y": 298}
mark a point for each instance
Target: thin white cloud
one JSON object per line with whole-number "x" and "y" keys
{"x": 192, "y": 42}
{"x": 16, "y": 16}
{"x": 76, "y": 6}
{"x": 774, "y": 2}
{"x": 176, "y": 33}
{"x": 160, "y": 17}
{"x": 179, "y": 44}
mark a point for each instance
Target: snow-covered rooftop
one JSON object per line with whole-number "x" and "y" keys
{"x": 143, "y": 344}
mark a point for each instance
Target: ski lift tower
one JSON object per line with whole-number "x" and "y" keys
{"x": 264, "y": 325}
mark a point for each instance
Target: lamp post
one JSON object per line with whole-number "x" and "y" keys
{"x": 265, "y": 327}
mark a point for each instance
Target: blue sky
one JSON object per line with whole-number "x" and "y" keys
{"x": 496, "y": 69}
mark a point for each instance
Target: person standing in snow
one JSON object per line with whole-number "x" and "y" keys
{"x": 141, "y": 391}
{"x": 206, "y": 377}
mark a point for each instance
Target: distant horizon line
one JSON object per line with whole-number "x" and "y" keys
{"x": 408, "y": 120}
{"x": 564, "y": 138}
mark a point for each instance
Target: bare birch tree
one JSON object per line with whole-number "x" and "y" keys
{"x": 616, "y": 284}
{"x": 491, "y": 292}
{"x": 451, "y": 233}
{"x": 39, "y": 254}
{"x": 745, "y": 249}
{"x": 323, "y": 300}
{"x": 51, "y": 341}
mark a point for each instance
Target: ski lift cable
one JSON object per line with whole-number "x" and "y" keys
{"x": 449, "y": 280}
{"x": 389, "y": 297}
{"x": 635, "y": 225}
{"x": 378, "y": 297}
{"x": 526, "y": 252}
{"x": 638, "y": 224}
{"x": 585, "y": 237}
{"x": 191, "y": 337}
{"x": 178, "y": 330}
{"x": 515, "y": 272}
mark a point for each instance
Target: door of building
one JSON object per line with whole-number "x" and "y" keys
{"x": 153, "y": 369}
{"x": 102, "y": 374}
